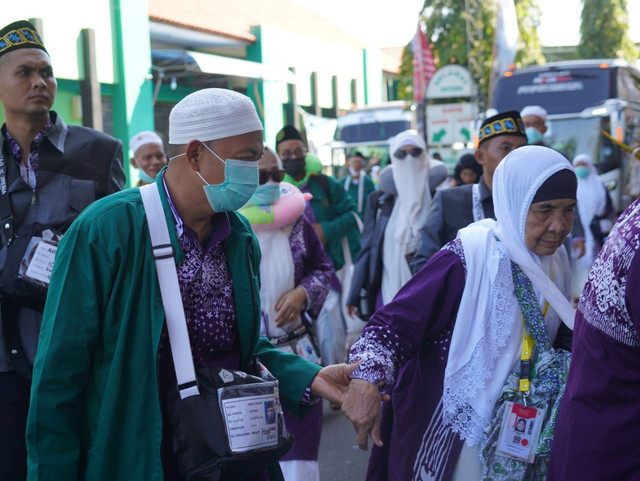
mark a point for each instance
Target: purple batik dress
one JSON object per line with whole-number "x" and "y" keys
{"x": 414, "y": 332}
{"x": 598, "y": 432}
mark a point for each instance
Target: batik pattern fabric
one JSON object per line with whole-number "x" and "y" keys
{"x": 404, "y": 348}
{"x": 546, "y": 390}
{"x": 603, "y": 303}
{"x": 312, "y": 268}
{"x": 603, "y": 387}
{"x": 206, "y": 288}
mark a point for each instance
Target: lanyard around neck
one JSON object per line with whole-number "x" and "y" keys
{"x": 527, "y": 350}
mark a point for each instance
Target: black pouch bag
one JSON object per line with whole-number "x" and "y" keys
{"x": 210, "y": 430}
{"x": 18, "y": 283}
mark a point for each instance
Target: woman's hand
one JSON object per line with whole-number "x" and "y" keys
{"x": 289, "y": 306}
{"x": 362, "y": 406}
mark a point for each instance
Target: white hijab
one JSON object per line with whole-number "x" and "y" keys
{"x": 487, "y": 337}
{"x": 411, "y": 178}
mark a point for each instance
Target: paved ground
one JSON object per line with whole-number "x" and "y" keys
{"x": 339, "y": 458}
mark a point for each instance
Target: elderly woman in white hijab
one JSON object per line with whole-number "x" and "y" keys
{"x": 592, "y": 202}
{"x": 452, "y": 348}
{"x": 410, "y": 175}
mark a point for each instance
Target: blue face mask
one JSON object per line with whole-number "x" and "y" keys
{"x": 582, "y": 171}
{"x": 533, "y": 135}
{"x": 240, "y": 182}
{"x": 266, "y": 194}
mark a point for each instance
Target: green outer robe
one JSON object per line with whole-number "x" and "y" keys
{"x": 336, "y": 216}
{"x": 95, "y": 410}
{"x": 353, "y": 192}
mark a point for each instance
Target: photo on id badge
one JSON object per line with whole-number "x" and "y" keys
{"x": 269, "y": 413}
{"x": 520, "y": 431}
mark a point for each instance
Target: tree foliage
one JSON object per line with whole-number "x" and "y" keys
{"x": 446, "y": 29}
{"x": 604, "y": 31}
{"x": 529, "y": 49}
{"x": 405, "y": 84}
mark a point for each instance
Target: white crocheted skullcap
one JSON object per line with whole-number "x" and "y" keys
{"x": 212, "y": 114}
{"x": 534, "y": 110}
{"x": 143, "y": 138}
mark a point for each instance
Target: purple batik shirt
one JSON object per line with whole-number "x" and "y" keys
{"x": 28, "y": 172}
{"x": 206, "y": 288}
{"x": 313, "y": 269}
{"x": 404, "y": 349}
{"x": 597, "y": 435}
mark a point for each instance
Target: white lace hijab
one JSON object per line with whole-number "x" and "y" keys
{"x": 487, "y": 336}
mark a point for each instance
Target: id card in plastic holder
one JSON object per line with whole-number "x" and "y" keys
{"x": 520, "y": 431}
{"x": 251, "y": 414}
{"x": 37, "y": 263}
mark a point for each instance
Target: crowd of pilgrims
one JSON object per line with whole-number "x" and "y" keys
{"x": 393, "y": 231}
{"x": 474, "y": 326}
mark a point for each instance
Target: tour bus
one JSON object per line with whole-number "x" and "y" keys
{"x": 588, "y": 102}
{"x": 368, "y": 130}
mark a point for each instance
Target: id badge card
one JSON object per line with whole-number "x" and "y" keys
{"x": 520, "y": 432}
{"x": 251, "y": 419}
{"x": 37, "y": 262}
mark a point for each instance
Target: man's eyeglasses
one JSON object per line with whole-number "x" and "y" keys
{"x": 274, "y": 174}
{"x": 414, "y": 152}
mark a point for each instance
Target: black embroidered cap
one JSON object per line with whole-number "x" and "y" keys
{"x": 17, "y": 35}
{"x": 504, "y": 123}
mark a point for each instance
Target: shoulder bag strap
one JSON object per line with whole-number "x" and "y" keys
{"x": 6, "y": 216}
{"x": 170, "y": 289}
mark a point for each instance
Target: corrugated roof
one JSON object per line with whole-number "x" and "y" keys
{"x": 234, "y": 19}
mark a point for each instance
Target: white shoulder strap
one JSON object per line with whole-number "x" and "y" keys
{"x": 170, "y": 290}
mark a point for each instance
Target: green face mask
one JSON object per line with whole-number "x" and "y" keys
{"x": 533, "y": 136}
{"x": 582, "y": 172}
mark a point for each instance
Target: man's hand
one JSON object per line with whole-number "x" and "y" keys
{"x": 352, "y": 310}
{"x": 332, "y": 382}
{"x": 319, "y": 233}
{"x": 362, "y": 407}
{"x": 578, "y": 248}
{"x": 289, "y": 306}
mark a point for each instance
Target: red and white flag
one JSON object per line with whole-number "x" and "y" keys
{"x": 423, "y": 65}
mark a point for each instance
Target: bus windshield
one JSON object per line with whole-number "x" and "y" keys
{"x": 573, "y": 136}
{"x": 559, "y": 90}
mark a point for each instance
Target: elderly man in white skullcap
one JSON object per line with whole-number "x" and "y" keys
{"x": 534, "y": 118}
{"x": 149, "y": 156}
{"x": 105, "y": 363}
